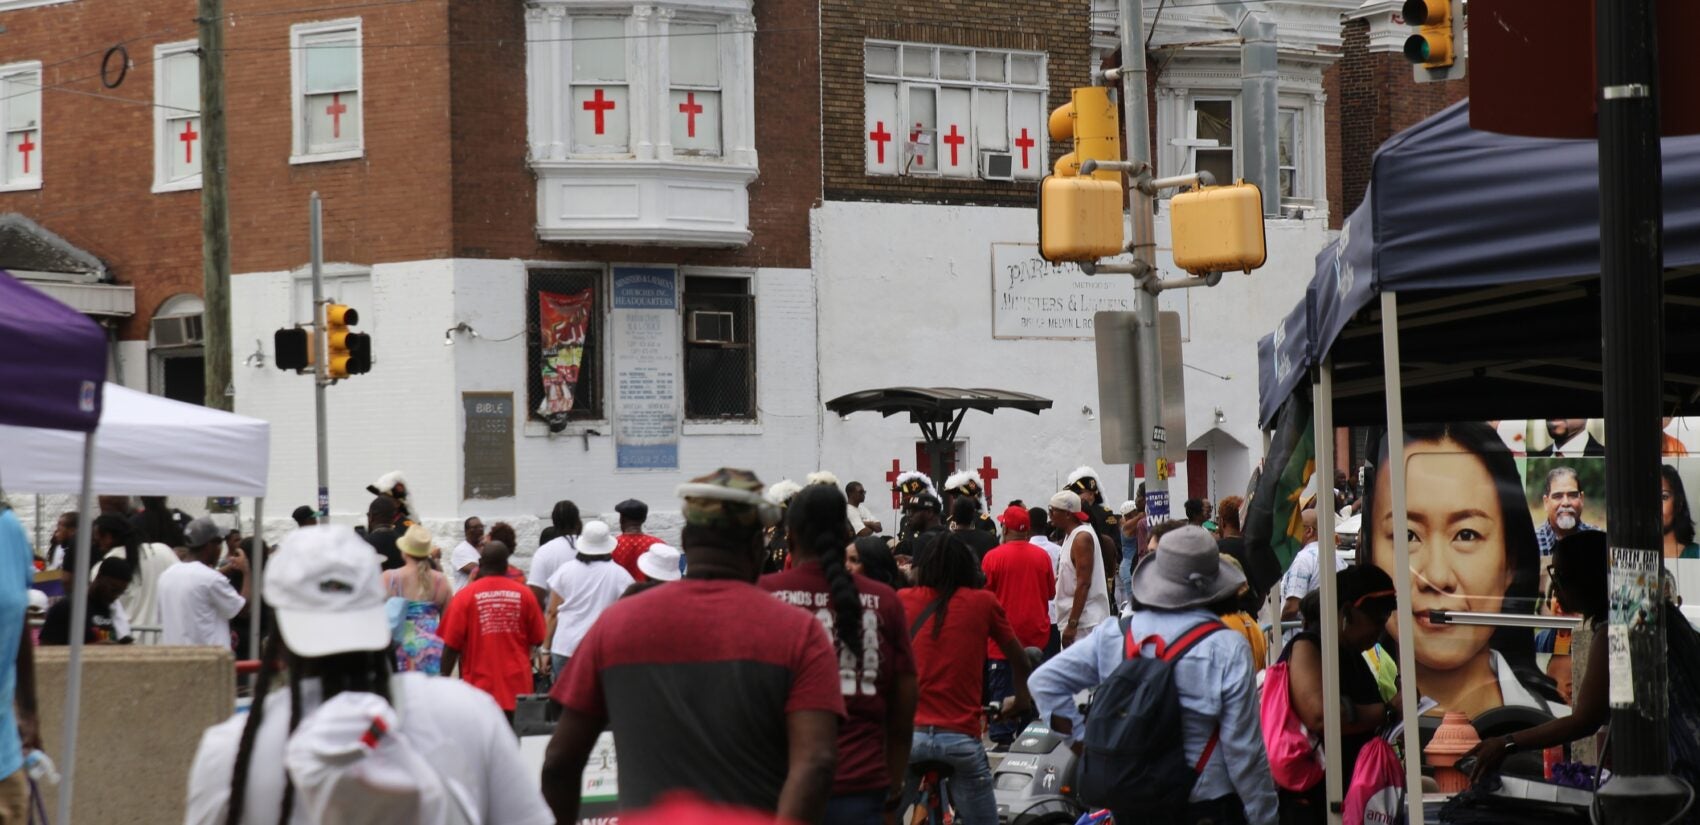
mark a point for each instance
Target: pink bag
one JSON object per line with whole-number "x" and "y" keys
{"x": 1377, "y": 793}
{"x": 1294, "y": 759}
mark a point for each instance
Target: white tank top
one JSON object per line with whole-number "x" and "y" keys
{"x": 1097, "y": 607}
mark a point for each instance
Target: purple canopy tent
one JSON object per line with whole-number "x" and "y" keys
{"x": 52, "y": 369}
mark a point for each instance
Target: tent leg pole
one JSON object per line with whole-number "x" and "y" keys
{"x": 256, "y": 563}
{"x": 1322, "y": 392}
{"x": 79, "y": 622}
{"x": 1401, "y": 555}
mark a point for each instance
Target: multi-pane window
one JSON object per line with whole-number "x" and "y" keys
{"x": 564, "y": 309}
{"x": 327, "y": 90}
{"x": 20, "y": 118}
{"x": 720, "y": 353}
{"x": 599, "y": 104}
{"x": 1291, "y": 153}
{"x": 177, "y": 117}
{"x": 693, "y": 106}
{"x": 935, "y": 110}
{"x": 1213, "y": 120}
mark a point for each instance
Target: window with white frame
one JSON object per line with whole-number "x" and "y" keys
{"x": 937, "y": 110}
{"x": 693, "y": 104}
{"x": 177, "y": 117}
{"x": 1213, "y": 120}
{"x": 327, "y": 85}
{"x": 600, "y": 99}
{"x": 20, "y": 118}
{"x": 1291, "y": 153}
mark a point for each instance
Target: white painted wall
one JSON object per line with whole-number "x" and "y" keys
{"x": 406, "y": 413}
{"x": 905, "y": 294}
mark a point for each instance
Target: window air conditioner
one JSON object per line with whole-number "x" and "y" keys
{"x": 177, "y": 331}
{"x": 997, "y": 166}
{"x": 711, "y": 327}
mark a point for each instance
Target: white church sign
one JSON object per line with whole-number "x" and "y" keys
{"x": 1033, "y": 298}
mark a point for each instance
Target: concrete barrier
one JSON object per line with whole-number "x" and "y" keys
{"x": 143, "y": 711}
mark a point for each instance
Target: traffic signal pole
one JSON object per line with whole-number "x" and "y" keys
{"x": 321, "y": 351}
{"x": 1143, "y": 245}
{"x": 215, "y": 211}
{"x": 1642, "y": 791}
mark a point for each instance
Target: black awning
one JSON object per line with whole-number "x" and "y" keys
{"x": 935, "y": 403}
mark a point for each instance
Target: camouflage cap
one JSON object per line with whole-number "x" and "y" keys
{"x": 727, "y": 498}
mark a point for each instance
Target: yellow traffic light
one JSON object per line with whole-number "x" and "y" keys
{"x": 1218, "y": 229}
{"x": 1090, "y": 120}
{"x": 1431, "y": 47}
{"x": 349, "y": 353}
{"x": 1080, "y": 217}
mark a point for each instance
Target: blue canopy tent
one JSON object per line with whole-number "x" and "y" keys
{"x": 1471, "y": 274}
{"x": 53, "y": 372}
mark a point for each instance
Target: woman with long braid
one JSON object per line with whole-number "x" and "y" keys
{"x": 876, "y": 674}
{"x": 333, "y": 639}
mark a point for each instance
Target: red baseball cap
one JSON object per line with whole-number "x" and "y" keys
{"x": 1016, "y": 518}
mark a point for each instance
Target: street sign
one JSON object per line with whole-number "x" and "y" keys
{"x": 1119, "y": 429}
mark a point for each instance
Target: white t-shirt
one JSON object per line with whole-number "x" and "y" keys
{"x": 463, "y": 555}
{"x": 585, "y": 590}
{"x": 549, "y": 558}
{"x": 196, "y": 604}
{"x": 1097, "y": 607}
{"x": 1055, "y": 552}
{"x": 454, "y": 726}
{"x": 141, "y": 598}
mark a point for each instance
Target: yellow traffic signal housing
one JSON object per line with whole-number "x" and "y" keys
{"x": 1218, "y": 229}
{"x": 1431, "y": 46}
{"x": 348, "y": 353}
{"x": 1089, "y": 119}
{"x": 1080, "y": 219}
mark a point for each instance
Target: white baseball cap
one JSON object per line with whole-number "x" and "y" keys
{"x": 324, "y": 584}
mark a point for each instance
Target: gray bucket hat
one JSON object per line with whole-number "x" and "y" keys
{"x": 1186, "y": 571}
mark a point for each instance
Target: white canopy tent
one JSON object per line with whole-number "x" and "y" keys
{"x": 143, "y": 445}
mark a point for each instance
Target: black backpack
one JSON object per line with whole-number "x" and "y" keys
{"x": 1134, "y": 757}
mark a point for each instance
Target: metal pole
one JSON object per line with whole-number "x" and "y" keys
{"x": 215, "y": 211}
{"x": 1322, "y": 396}
{"x": 256, "y": 563}
{"x": 1632, "y": 327}
{"x": 1405, "y": 617}
{"x": 321, "y": 354}
{"x": 1147, "y": 351}
{"x": 79, "y": 624}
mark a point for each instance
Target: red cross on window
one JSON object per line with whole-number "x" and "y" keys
{"x": 896, "y": 467}
{"x": 691, "y": 108}
{"x": 1024, "y": 143}
{"x": 880, "y": 137}
{"x": 915, "y": 138}
{"x": 987, "y": 474}
{"x": 598, "y": 106}
{"x": 26, "y": 148}
{"x": 336, "y": 110}
{"x": 188, "y": 137}
{"x": 954, "y": 141}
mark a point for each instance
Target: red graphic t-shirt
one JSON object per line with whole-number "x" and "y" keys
{"x": 494, "y": 622}
{"x": 950, "y": 667}
{"x": 864, "y": 683}
{"x": 628, "y": 547}
{"x": 1021, "y": 576}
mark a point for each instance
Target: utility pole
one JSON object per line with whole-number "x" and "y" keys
{"x": 215, "y": 211}
{"x": 321, "y": 351}
{"x": 1642, "y": 791}
{"x": 1148, "y": 354}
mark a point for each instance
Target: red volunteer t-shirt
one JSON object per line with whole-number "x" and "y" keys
{"x": 950, "y": 668}
{"x": 494, "y": 622}
{"x": 696, "y": 680}
{"x": 864, "y": 684}
{"x": 1021, "y": 576}
{"x": 628, "y": 547}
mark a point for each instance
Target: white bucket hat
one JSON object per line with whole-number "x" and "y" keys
{"x": 596, "y": 539}
{"x": 660, "y": 562}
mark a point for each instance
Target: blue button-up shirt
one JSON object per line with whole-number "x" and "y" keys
{"x": 1217, "y": 687}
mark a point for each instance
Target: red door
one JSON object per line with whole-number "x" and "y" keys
{"x": 1198, "y": 474}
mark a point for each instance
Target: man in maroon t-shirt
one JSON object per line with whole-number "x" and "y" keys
{"x": 491, "y": 627}
{"x": 710, "y": 684}
{"x": 952, "y": 621}
{"x": 633, "y": 541}
{"x": 1021, "y": 576}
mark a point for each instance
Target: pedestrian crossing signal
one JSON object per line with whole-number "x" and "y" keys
{"x": 293, "y": 348}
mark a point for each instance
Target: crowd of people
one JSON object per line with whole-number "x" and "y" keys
{"x": 791, "y": 655}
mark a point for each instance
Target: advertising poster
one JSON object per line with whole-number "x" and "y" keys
{"x": 646, "y": 368}
{"x": 562, "y": 322}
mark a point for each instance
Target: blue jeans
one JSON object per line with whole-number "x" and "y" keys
{"x": 1124, "y": 576}
{"x": 970, "y": 787}
{"x": 557, "y": 663}
{"x": 1000, "y": 685}
{"x": 855, "y": 809}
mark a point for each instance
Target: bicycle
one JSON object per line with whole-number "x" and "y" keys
{"x": 932, "y": 800}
